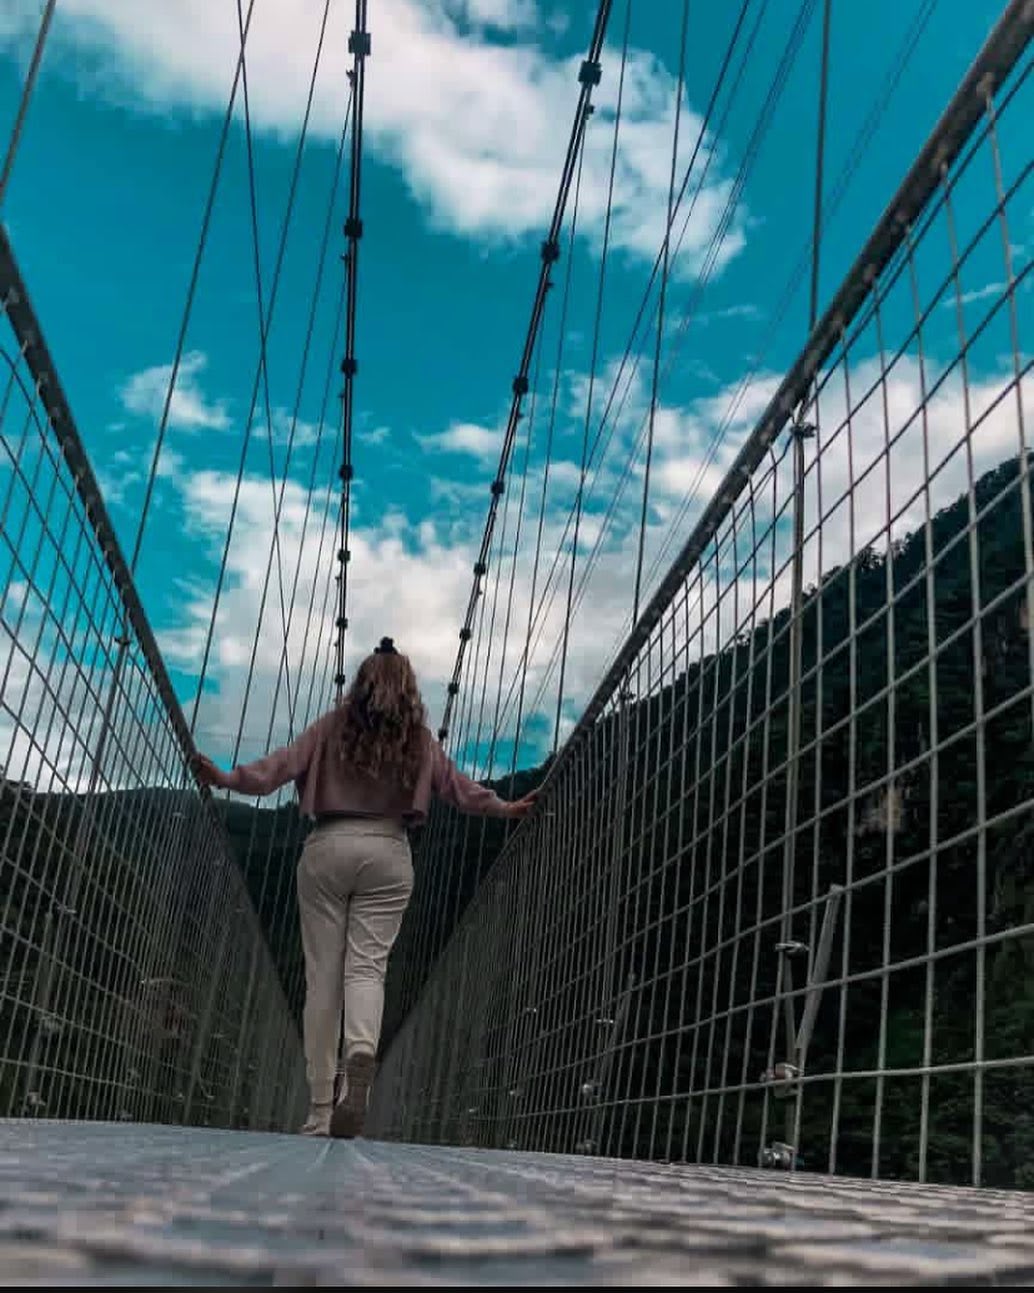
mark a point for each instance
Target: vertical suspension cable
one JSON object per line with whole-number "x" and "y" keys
{"x": 610, "y": 418}
{"x": 661, "y": 298}
{"x": 359, "y": 48}
{"x": 525, "y": 655}
{"x": 820, "y": 161}
{"x": 296, "y": 413}
{"x": 31, "y": 77}
{"x": 181, "y": 340}
{"x": 265, "y": 319}
{"x": 530, "y": 424}
{"x": 246, "y": 438}
{"x": 799, "y": 432}
{"x": 562, "y": 323}
{"x": 593, "y": 361}
{"x": 588, "y": 77}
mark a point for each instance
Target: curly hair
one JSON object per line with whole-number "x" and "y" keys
{"x": 382, "y": 718}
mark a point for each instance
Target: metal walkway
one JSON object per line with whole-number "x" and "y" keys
{"x": 114, "y": 1204}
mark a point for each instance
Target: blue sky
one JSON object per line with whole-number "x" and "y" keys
{"x": 468, "y": 109}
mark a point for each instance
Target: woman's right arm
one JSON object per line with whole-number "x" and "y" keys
{"x": 267, "y": 774}
{"x": 455, "y": 788}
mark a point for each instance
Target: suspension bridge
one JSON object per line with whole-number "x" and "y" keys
{"x": 749, "y": 997}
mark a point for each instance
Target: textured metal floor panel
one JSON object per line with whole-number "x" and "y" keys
{"x": 118, "y": 1204}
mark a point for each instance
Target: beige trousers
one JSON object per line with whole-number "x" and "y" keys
{"x": 354, "y": 881}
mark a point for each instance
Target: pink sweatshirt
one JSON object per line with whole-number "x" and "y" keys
{"x": 326, "y": 785}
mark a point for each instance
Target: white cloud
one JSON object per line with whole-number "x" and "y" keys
{"x": 483, "y": 443}
{"x": 480, "y": 145}
{"x": 504, "y": 15}
{"x": 145, "y": 394}
{"x": 288, "y": 429}
{"x": 744, "y": 311}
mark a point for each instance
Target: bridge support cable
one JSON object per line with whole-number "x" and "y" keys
{"x": 589, "y": 77}
{"x": 320, "y": 431}
{"x": 522, "y": 502}
{"x": 28, "y": 87}
{"x": 359, "y": 47}
{"x": 265, "y": 318}
{"x": 265, "y": 323}
{"x": 522, "y": 666}
{"x": 611, "y": 415}
{"x": 661, "y": 298}
{"x": 593, "y": 363}
{"x": 892, "y": 816}
{"x": 796, "y": 277}
{"x": 521, "y": 671}
{"x": 262, "y": 367}
{"x": 800, "y": 431}
{"x": 181, "y": 340}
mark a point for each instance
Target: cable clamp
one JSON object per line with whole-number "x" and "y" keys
{"x": 590, "y": 72}
{"x": 359, "y": 43}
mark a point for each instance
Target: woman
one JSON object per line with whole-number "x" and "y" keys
{"x": 366, "y": 771}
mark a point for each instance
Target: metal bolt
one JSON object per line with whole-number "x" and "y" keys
{"x": 781, "y": 1078}
{"x": 779, "y": 1156}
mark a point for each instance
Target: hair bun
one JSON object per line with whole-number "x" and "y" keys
{"x": 385, "y": 647}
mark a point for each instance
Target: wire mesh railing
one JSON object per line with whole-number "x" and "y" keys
{"x": 135, "y": 979}
{"x": 782, "y": 911}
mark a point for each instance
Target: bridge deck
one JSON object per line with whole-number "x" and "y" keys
{"x": 121, "y": 1204}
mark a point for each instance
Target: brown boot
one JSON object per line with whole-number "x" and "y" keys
{"x": 349, "y": 1116}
